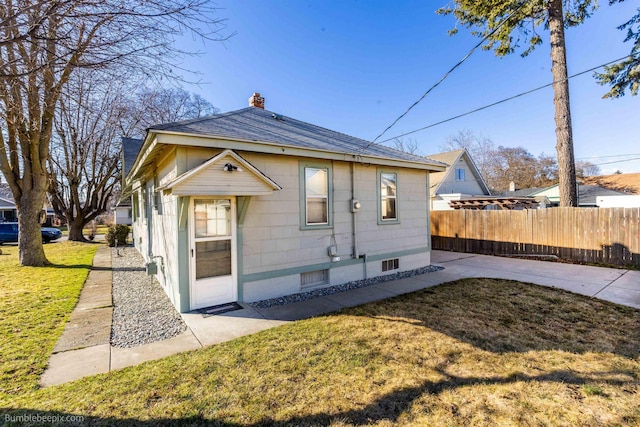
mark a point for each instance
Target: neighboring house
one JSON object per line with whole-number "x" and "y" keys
{"x": 461, "y": 180}
{"x": 8, "y": 211}
{"x": 250, "y": 205}
{"x": 587, "y": 194}
{"x": 123, "y": 212}
{"x": 123, "y": 209}
{"x": 625, "y": 201}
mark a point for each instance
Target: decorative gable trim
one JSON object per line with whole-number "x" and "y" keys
{"x": 450, "y": 170}
{"x": 225, "y": 174}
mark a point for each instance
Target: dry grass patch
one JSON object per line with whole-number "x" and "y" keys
{"x": 472, "y": 352}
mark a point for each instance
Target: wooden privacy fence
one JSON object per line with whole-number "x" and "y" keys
{"x": 598, "y": 235}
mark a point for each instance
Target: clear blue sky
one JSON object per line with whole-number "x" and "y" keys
{"x": 354, "y": 66}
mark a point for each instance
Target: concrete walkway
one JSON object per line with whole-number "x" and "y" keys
{"x": 84, "y": 347}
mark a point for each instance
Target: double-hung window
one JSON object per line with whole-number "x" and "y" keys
{"x": 388, "y": 197}
{"x": 316, "y": 196}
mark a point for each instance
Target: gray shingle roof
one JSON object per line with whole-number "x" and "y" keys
{"x": 130, "y": 149}
{"x": 263, "y": 126}
{"x": 587, "y": 194}
{"x": 523, "y": 192}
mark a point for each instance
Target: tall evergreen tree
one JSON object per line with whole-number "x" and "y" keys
{"x": 624, "y": 75}
{"x": 505, "y": 24}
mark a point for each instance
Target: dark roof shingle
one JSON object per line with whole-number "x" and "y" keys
{"x": 263, "y": 126}
{"x": 130, "y": 149}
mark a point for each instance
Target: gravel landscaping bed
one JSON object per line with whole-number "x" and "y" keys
{"x": 142, "y": 312}
{"x": 329, "y": 290}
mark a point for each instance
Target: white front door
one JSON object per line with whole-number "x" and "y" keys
{"x": 213, "y": 251}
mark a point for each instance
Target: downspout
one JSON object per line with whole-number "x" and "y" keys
{"x": 354, "y": 223}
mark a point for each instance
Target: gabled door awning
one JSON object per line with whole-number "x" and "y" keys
{"x": 225, "y": 174}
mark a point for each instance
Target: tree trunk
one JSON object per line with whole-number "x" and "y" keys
{"x": 29, "y": 235}
{"x": 564, "y": 137}
{"x": 75, "y": 230}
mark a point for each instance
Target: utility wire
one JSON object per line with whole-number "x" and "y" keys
{"x": 506, "y": 99}
{"x": 446, "y": 74}
{"x": 617, "y": 161}
{"x": 606, "y": 157}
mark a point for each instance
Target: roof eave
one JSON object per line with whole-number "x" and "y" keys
{"x": 218, "y": 141}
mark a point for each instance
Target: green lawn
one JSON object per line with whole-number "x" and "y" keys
{"x": 472, "y": 352}
{"x": 36, "y": 304}
{"x": 101, "y": 229}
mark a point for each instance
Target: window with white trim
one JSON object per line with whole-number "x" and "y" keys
{"x": 459, "y": 174}
{"x": 388, "y": 196}
{"x": 316, "y": 190}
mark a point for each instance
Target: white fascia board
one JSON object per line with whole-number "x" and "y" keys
{"x": 147, "y": 147}
{"x": 476, "y": 171}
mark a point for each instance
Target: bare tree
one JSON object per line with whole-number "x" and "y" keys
{"x": 517, "y": 164}
{"x": 546, "y": 170}
{"x": 480, "y": 148}
{"x": 153, "y": 106}
{"x": 586, "y": 168}
{"x": 42, "y": 43}
{"x": 85, "y": 158}
{"x": 408, "y": 145}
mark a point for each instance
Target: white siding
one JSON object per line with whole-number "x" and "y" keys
{"x": 123, "y": 215}
{"x": 157, "y": 239}
{"x": 470, "y": 185}
{"x": 273, "y": 239}
{"x": 286, "y": 285}
{"x": 214, "y": 180}
{"x": 629, "y": 201}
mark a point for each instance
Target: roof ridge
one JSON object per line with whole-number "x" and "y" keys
{"x": 166, "y": 126}
{"x": 263, "y": 126}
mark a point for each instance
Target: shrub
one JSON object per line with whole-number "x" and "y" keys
{"x": 117, "y": 234}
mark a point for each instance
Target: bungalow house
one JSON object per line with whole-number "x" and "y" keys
{"x": 251, "y": 204}
{"x": 461, "y": 180}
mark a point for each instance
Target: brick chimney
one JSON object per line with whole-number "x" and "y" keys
{"x": 256, "y": 101}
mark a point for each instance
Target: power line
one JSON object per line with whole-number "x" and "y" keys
{"x": 618, "y": 161}
{"x": 424, "y": 95}
{"x": 506, "y": 99}
{"x": 606, "y": 157}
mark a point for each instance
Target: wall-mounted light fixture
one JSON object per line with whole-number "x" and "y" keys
{"x": 230, "y": 168}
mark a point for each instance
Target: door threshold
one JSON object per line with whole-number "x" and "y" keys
{"x": 219, "y": 309}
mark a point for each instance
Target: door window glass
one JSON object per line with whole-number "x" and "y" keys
{"x": 212, "y": 218}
